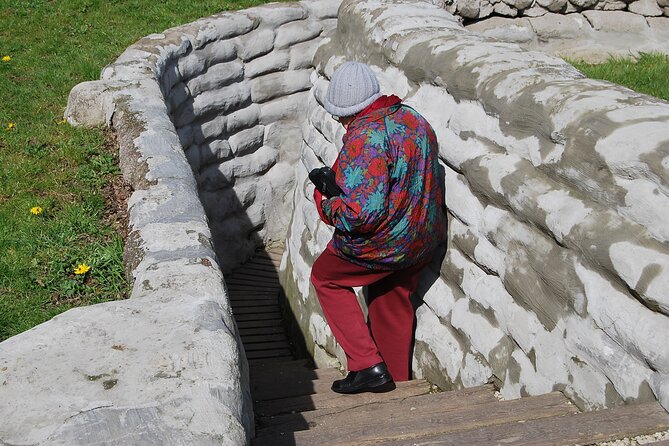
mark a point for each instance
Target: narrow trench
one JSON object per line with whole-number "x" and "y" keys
{"x": 254, "y": 291}
{"x": 282, "y": 375}
{"x": 293, "y": 404}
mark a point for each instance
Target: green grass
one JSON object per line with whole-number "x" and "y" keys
{"x": 54, "y": 45}
{"x": 648, "y": 74}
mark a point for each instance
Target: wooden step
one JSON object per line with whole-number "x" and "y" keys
{"x": 330, "y": 399}
{"x": 580, "y": 428}
{"x": 285, "y": 353}
{"x": 251, "y": 271}
{"x": 437, "y": 402}
{"x": 254, "y": 339}
{"x": 239, "y": 288}
{"x": 271, "y": 345}
{"x": 273, "y": 308}
{"x": 258, "y": 331}
{"x": 255, "y": 281}
{"x": 247, "y": 303}
{"x": 243, "y": 296}
{"x": 398, "y": 422}
{"x": 259, "y": 324}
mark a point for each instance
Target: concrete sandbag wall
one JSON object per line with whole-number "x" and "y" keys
{"x": 557, "y": 193}
{"x": 236, "y": 103}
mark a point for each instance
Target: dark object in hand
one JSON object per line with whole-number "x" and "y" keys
{"x": 324, "y": 180}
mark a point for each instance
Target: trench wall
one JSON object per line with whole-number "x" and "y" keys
{"x": 236, "y": 104}
{"x": 557, "y": 262}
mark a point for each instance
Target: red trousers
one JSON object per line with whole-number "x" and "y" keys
{"x": 389, "y": 335}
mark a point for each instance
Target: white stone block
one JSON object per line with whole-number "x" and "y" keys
{"x": 639, "y": 330}
{"x": 441, "y": 341}
{"x": 283, "y": 108}
{"x": 270, "y": 63}
{"x": 302, "y": 54}
{"x": 322, "y": 9}
{"x": 660, "y": 385}
{"x": 274, "y": 15}
{"x": 648, "y": 8}
{"x": 214, "y": 151}
{"x": 644, "y": 270}
{"x": 245, "y": 118}
{"x": 212, "y": 128}
{"x": 274, "y": 85}
{"x": 186, "y": 136}
{"x": 616, "y": 21}
{"x": 482, "y": 335}
{"x": 558, "y": 26}
{"x": 247, "y": 141}
{"x": 440, "y": 297}
{"x": 228, "y": 99}
{"x": 461, "y": 201}
{"x": 170, "y": 77}
{"x": 297, "y": 32}
{"x": 198, "y": 61}
{"x": 254, "y": 44}
{"x": 598, "y": 350}
{"x": 178, "y": 95}
{"x": 89, "y": 104}
{"x": 222, "y": 26}
{"x": 320, "y": 146}
{"x": 216, "y": 77}
{"x": 505, "y": 29}
{"x": 563, "y": 211}
{"x": 224, "y": 203}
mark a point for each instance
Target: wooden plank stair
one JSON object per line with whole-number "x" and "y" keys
{"x": 294, "y": 405}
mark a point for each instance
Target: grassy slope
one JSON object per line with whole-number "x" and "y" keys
{"x": 54, "y": 45}
{"x": 650, "y": 74}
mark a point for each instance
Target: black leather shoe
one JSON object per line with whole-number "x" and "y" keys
{"x": 372, "y": 379}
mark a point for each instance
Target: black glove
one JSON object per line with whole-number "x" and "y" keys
{"x": 324, "y": 180}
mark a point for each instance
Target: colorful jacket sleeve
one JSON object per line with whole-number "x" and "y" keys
{"x": 362, "y": 173}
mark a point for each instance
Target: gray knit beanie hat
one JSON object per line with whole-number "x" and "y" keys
{"x": 352, "y": 88}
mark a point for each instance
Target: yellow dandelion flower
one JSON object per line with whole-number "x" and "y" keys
{"x": 61, "y": 122}
{"x": 6, "y": 58}
{"x": 82, "y": 268}
{"x": 36, "y": 210}
{"x": 10, "y": 126}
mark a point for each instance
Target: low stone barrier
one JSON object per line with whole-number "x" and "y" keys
{"x": 590, "y": 35}
{"x": 480, "y": 9}
{"x": 557, "y": 264}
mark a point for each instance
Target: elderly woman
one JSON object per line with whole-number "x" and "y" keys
{"x": 388, "y": 222}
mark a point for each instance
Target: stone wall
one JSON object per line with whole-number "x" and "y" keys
{"x": 557, "y": 263}
{"x": 236, "y": 104}
{"x": 592, "y": 36}
{"x": 481, "y": 9}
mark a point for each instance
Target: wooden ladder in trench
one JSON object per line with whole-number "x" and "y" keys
{"x": 294, "y": 405}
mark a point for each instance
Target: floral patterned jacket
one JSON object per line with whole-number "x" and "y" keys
{"x": 390, "y": 216}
